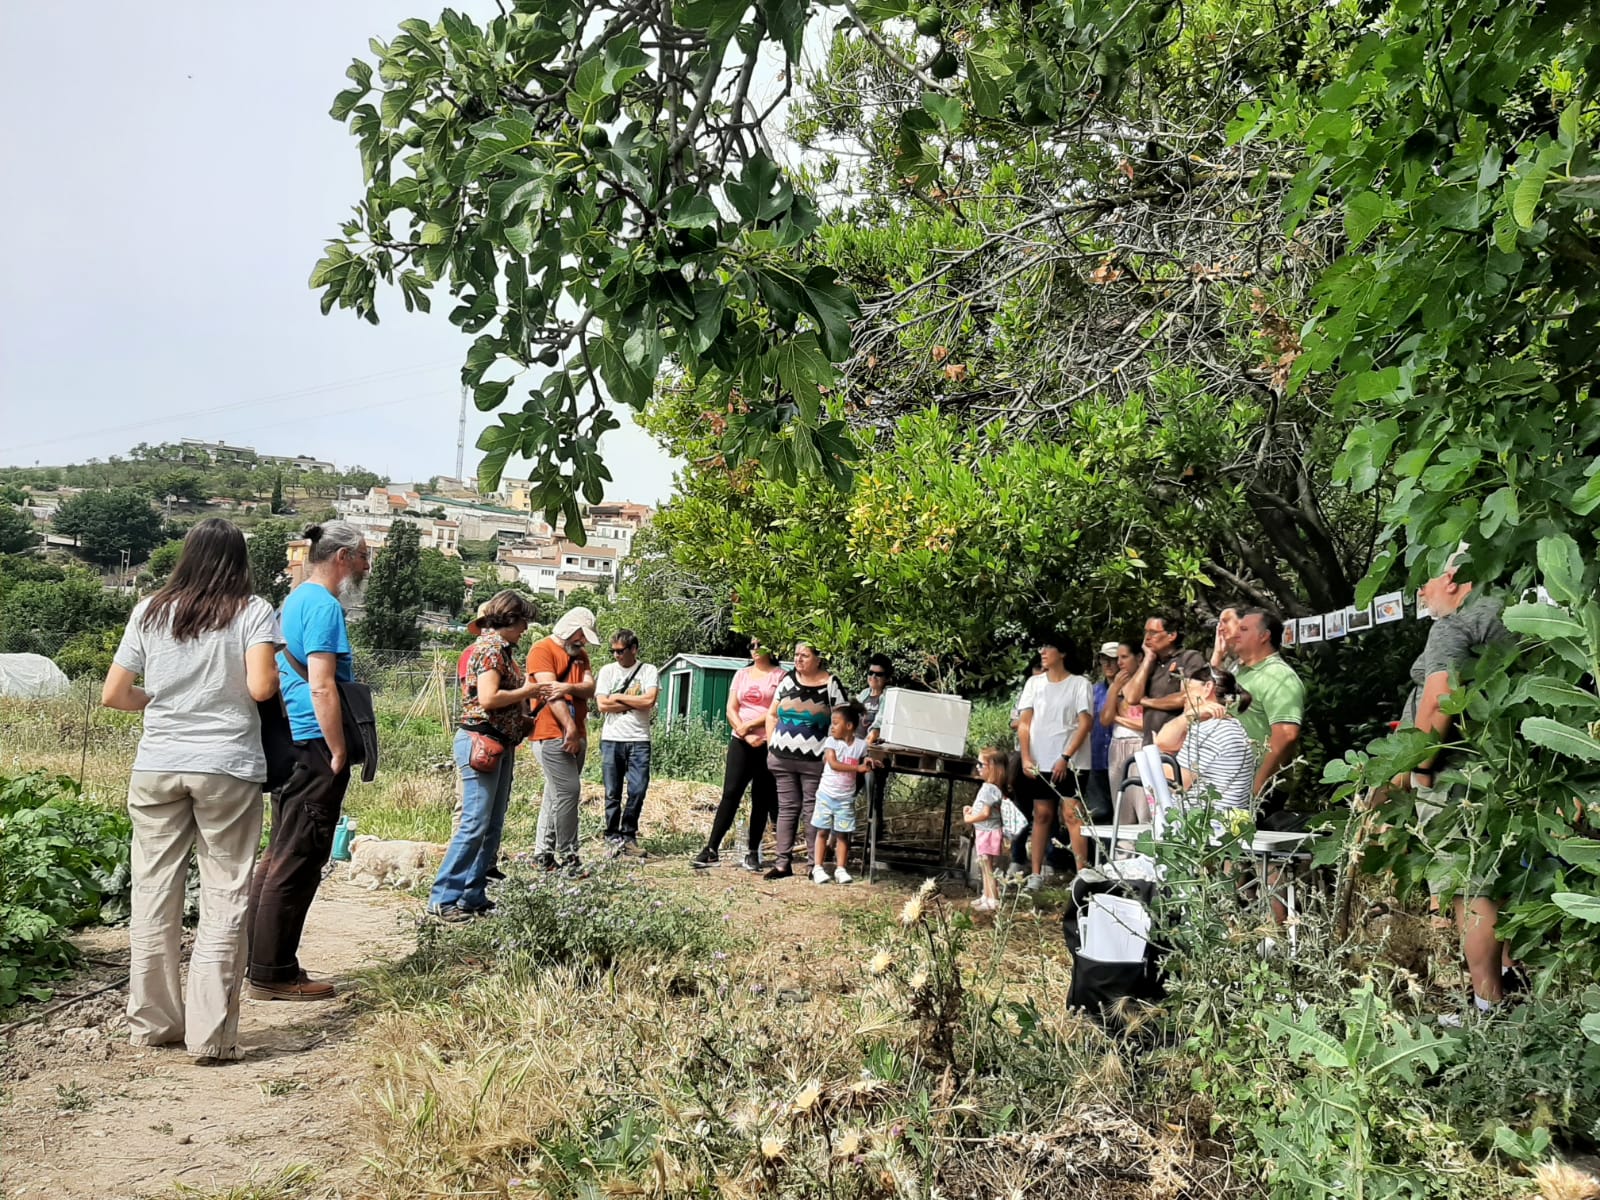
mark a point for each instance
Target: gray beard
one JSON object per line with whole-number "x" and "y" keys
{"x": 353, "y": 593}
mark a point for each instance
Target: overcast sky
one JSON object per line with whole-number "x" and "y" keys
{"x": 171, "y": 173}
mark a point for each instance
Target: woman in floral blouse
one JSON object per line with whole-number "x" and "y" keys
{"x": 494, "y": 712}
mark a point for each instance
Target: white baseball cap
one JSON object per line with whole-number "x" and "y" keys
{"x": 1109, "y": 650}
{"x": 576, "y": 620}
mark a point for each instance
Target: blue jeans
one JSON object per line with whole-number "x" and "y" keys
{"x": 619, "y": 762}
{"x": 476, "y": 844}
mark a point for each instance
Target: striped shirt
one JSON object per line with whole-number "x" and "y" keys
{"x": 804, "y": 714}
{"x": 1223, "y": 761}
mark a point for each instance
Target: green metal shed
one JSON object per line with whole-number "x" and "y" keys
{"x": 695, "y": 688}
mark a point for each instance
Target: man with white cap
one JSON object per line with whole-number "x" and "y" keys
{"x": 561, "y": 732}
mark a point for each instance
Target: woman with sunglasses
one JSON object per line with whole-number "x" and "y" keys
{"x": 748, "y": 701}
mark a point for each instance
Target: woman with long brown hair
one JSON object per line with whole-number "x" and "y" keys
{"x": 204, "y": 647}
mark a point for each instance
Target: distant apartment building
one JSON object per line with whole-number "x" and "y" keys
{"x": 216, "y": 452}
{"x": 299, "y": 462}
{"x": 221, "y": 452}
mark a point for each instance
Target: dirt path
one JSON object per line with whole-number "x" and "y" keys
{"x": 84, "y": 1114}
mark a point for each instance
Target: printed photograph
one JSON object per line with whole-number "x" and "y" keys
{"x": 1388, "y": 607}
{"x": 1358, "y": 619}
{"x": 1333, "y": 625}
{"x": 1310, "y": 629}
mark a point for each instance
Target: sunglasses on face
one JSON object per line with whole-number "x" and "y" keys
{"x": 877, "y": 674}
{"x": 619, "y": 649}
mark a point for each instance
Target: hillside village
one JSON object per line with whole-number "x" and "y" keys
{"x": 498, "y": 536}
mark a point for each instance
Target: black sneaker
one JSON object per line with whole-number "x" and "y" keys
{"x": 573, "y": 868}
{"x": 484, "y": 911}
{"x": 780, "y": 873}
{"x": 706, "y": 858}
{"x": 495, "y": 874}
{"x": 752, "y": 862}
{"x": 547, "y": 862}
{"x": 450, "y": 914}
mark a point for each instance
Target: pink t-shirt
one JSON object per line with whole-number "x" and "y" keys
{"x": 753, "y": 691}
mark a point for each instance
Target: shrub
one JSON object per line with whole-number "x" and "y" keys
{"x": 546, "y": 920}
{"x": 688, "y": 750}
{"x": 65, "y": 863}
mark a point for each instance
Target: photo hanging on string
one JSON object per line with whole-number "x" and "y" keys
{"x": 1358, "y": 620}
{"x": 1289, "y": 628}
{"x": 1388, "y": 607}
{"x": 1333, "y": 625}
{"x": 1310, "y": 630}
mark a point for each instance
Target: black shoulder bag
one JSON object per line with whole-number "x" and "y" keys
{"x": 360, "y": 721}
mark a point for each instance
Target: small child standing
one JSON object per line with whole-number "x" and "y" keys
{"x": 844, "y": 756}
{"x": 983, "y": 814}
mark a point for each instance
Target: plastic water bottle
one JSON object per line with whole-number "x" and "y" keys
{"x": 342, "y": 833}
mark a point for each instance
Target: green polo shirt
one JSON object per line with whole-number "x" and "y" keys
{"x": 1277, "y": 697}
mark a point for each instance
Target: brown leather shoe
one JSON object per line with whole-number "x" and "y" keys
{"x": 303, "y": 988}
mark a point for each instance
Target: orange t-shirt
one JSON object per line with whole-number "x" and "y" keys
{"x": 550, "y": 655}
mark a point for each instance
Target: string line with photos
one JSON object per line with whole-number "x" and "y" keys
{"x": 1342, "y": 622}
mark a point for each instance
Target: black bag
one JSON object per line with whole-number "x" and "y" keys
{"x": 277, "y": 742}
{"x": 360, "y": 721}
{"x": 1101, "y": 988}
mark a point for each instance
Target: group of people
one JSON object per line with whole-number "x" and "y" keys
{"x": 799, "y": 746}
{"x": 1231, "y": 723}
{"x": 197, "y": 659}
{"x": 202, "y": 656}
{"x": 545, "y": 699}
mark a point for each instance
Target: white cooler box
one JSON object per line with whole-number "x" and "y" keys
{"x": 929, "y": 722}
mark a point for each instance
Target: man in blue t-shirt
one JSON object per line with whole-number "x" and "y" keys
{"x": 315, "y": 658}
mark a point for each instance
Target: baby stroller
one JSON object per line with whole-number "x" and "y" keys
{"x": 1108, "y": 924}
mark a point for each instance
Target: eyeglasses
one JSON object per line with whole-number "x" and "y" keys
{"x": 620, "y": 649}
{"x": 877, "y": 674}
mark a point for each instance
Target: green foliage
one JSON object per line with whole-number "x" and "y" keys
{"x": 10, "y": 493}
{"x": 546, "y": 920}
{"x": 277, "y": 505}
{"x": 1318, "y": 1062}
{"x": 163, "y": 559}
{"x": 89, "y": 653}
{"x": 64, "y": 860}
{"x": 185, "y": 486}
{"x": 957, "y": 545}
{"x": 1525, "y": 756}
{"x": 557, "y": 162}
{"x": 268, "y": 548}
{"x": 394, "y": 593}
{"x": 673, "y": 610}
{"x": 108, "y": 523}
{"x": 687, "y": 750}
{"x": 444, "y": 582}
{"x": 17, "y": 533}
{"x": 43, "y": 608}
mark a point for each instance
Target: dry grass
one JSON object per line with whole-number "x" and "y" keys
{"x": 792, "y": 1069}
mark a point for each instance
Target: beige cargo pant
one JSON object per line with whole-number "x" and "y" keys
{"x": 221, "y": 817}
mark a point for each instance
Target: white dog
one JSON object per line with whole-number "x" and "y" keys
{"x": 400, "y": 864}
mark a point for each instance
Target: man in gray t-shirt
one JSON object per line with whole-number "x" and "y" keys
{"x": 1464, "y": 624}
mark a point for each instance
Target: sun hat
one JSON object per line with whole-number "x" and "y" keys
{"x": 576, "y": 620}
{"x": 475, "y": 626}
{"x": 1109, "y": 650}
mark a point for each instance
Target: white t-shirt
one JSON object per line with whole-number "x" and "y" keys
{"x": 633, "y": 725}
{"x": 1223, "y": 760}
{"x": 841, "y": 783}
{"x": 200, "y": 718}
{"x": 988, "y": 797}
{"x": 1055, "y": 717}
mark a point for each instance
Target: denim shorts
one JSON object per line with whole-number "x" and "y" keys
{"x": 836, "y": 814}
